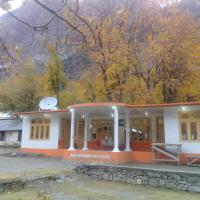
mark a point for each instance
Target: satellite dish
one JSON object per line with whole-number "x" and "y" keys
{"x": 48, "y": 103}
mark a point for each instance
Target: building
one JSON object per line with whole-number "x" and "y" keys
{"x": 114, "y": 132}
{"x": 10, "y": 131}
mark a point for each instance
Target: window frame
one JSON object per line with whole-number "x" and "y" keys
{"x": 188, "y": 127}
{"x": 36, "y": 127}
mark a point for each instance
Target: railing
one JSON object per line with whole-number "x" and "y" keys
{"x": 162, "y": 153}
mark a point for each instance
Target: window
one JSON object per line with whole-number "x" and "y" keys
{"x": 40, "y": 129}
{"x": 2, "y": 136}
{"x": 141, "y": 129}
{"x": 19, "y": 139}
{"x": 189, "y": 126}
{"x": 184, "y": 133}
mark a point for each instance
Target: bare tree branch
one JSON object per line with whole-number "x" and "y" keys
{"x": 36, "y": 28}
{"x": 4, "y": 47}
{"x": 62, "y": 19}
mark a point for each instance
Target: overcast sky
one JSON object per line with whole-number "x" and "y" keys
{"x": 14, "y": 4}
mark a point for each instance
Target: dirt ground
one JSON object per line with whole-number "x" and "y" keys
{"x": 84, "y": 188}
{"x": 30, "y": 166}
{"x": 73, "y": 187}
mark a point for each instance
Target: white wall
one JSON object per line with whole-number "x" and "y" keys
{"x": 52, "y": 143}
{"x": 11, "y": 138}
{"x": 171, "y": 124}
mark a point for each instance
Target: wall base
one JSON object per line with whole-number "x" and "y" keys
{"x": 92, "y": 156}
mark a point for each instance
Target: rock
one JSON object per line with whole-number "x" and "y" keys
{"x": 60, "y": 180}
{"x": 194, "y": 188}
{"x": 139, "y": 181}
{"x": 13, "y": 155}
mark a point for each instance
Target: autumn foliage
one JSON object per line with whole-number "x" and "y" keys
{"x": 144, "y": 54}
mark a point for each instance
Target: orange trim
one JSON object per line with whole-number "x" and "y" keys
{"x": 97, "y": 105}
{"x": 165, "y": 105}
{"x": 101, "y": 156}
{"x": 134, "y": 105}
{"x": 97, "y": 156}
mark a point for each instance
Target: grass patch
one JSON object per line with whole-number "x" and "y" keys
{"x": 22, "y": 195}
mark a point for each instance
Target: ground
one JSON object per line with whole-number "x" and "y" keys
{"x": 84, "y": 188}
{"x": 30, "y": 166}
{"x": 74, "y": 187}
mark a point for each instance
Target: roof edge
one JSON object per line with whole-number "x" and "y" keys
{"x": 99, "y": 104}
{"x": 40, "y": 112}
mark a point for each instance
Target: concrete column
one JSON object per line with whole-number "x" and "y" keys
{"x": 153, "y": 129}
{"x": 89, "y": 129}
{"x": 85, "y": 147}
{"x": 127, "y": 132}
{"x": 116, "y": 129}
{"x": 71, "y": 147}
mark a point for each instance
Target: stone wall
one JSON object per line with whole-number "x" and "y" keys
{"x": 17, "y": 184}
{"x": 184, "y": 181}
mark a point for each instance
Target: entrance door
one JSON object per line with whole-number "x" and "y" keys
{"x": 160, "y": 137}
{"x": 141, "y": 134}
{"x": 64, "y": 139}
{"x": 79, "y": 134}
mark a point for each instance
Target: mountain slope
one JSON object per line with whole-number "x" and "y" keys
{"x": 31, "y": 44}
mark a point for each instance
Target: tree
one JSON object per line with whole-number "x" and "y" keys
{"x": 23, "y": 91}
{"x": 142, "y": 51}
{"x": 163, "y": 44}
{"x": 108, "y": 49}
{"x": 54, "y": 77}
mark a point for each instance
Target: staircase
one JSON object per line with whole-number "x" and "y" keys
{"x": 166, "y": 152}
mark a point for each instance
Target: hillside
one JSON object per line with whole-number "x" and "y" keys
{"x": 31, "y": 43}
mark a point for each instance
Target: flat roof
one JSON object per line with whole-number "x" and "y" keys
{"x": 105, "y": 104}
{"x": 134, "y": 105}
{"x": 41, "y": 112}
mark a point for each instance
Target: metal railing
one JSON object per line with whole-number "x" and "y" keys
{"x": 166, "y": 152}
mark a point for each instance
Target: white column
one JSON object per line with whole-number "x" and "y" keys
{"x": 72, "y": 129}
{"x": 85, "y": 147}
{"x": 116, "y": 129}
{"x": 127, "y": 132}
{"x": 153, "y": 129}
{"x": 89, "y": 129}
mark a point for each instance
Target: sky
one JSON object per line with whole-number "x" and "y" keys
{"x": 14, "y": 4}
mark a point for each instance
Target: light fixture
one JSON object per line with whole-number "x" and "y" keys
{"x": 71, "y": 110}
{"x": 90, "y": 125}
{"x": 114, "y": 107}
{"x": 83, "y": 116}
{"x": 112, "y": 115}
{"x": 183, "y": 108}
{"x": 134, "y": 130}
{"x": 146, "y": 113}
